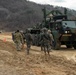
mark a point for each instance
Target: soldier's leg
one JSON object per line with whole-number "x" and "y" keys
{"x": 18, "y": 46}
{"x": 45, "y": 50}
{"x": 28, "y": 48}
{"x": 48, "y": 50}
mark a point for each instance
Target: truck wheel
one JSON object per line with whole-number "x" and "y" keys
{"x": 68, "y": 46}
{"x": 74, "y": 46}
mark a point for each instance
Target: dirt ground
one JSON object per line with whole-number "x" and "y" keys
{"x": 12, "y": 62}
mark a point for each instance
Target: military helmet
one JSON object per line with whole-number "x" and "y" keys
{"x": 49, "y": 31}
{"x": 44, "y": 29}
{"x": 17, "y": 31}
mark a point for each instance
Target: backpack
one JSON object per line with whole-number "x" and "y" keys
{"x": 28, "y": 37}
{"x": 46, "y": 37}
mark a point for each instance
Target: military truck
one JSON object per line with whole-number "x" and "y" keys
{"x": 64, "y": 32}
{"x": 63, "y": 29}
{"x": 35, "y": 35}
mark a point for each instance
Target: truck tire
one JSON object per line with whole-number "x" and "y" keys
{"x": 74, "y": 46}
{"x": 69, "y": 46}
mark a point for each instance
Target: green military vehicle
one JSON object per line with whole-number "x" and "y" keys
{"x": 35, "y": 35}
{"x": 64, "y": 32}
{"x": 63, "y": 29}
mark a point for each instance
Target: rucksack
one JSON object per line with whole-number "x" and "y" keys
{"x": 28, "y": 37}
{"x": 46, "y": 36}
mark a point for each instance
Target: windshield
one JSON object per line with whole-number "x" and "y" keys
{"x": 70, "y": 24}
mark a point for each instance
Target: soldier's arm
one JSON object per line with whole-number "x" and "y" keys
{"x": 51, "y": 36}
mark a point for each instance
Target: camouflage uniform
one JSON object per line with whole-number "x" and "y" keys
{"x": 52, "y": 39}
{"x": 18, "y": 40}
{"x": 23, "y": 35}
{"x": 45, "y": 41}
{"x": 29, "y": 40}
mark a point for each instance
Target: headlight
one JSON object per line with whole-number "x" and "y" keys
{"x": 66, "y": 31}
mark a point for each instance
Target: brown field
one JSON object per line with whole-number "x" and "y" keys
{"x": 12, "y": 62}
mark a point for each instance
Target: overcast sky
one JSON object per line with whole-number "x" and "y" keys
{"x": 65, "y": 3}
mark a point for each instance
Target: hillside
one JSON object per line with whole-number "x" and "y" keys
{"x": 20, "y": 14}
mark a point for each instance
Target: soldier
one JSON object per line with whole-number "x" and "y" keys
{"x": 52, "y": 39}
{"x": 23, "y": 35}
{"x": 45, "y": 40}
{"x": 29, "y": 40}
{"x": 18, "y": 40}
{"x": 41, "y": 42}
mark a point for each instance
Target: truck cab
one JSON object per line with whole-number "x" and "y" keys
{"x": 64, "y": 32}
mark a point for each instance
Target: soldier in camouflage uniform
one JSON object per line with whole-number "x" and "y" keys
{"x": 18, "y": 39}
{"x": 52, "y": 39}
{"x": 41, "y": 42}
{"x": 29, "y": 40}
{"x": 23, "y": 35}
{"x": 45, "y": 41}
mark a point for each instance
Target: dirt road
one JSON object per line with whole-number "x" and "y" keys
{"x": 60, "y": 62}
{"x": 68, "y": 53}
